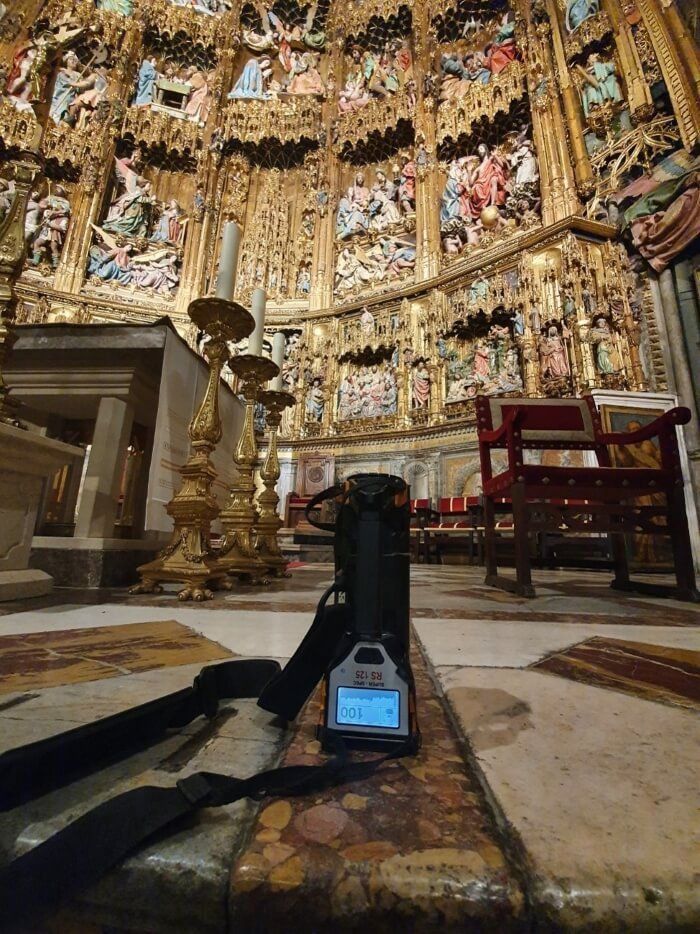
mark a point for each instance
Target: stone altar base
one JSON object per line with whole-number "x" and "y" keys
{"x": 91, "y": 562}
{"x": 27, "y": 459}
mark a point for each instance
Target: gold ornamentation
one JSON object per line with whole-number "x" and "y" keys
{"x": 17, "y": 127}
{"x": 187, "y": 558}
{"x": 159, "y": 130}
{"x": 67, "y": 144}
{"x": 481, "y": 100}
{"x": 269, "y": 521}
{"x": 379, "y": 115}
{"x": 594, "y": 29}
{"x": 353, "y": 18}
{"x": 22, "y": 172}
{"x": 640, "y": 147}
{"x": 173, "y": 20}
{"x": 239, "y": 518}
{"x": 285, "y": 120}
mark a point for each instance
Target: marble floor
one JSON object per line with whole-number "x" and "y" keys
{"x": 556, "y": 788}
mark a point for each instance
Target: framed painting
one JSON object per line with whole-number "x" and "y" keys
{"x": 645, "y": 552}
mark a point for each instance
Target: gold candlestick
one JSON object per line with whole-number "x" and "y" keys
{"x": 187, "y": 558}
{"x": 269, "y": 523}
{"x": 239, "y": 519}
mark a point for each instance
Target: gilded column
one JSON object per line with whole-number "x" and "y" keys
{"x": 557, "y": 178}
{"x": 428, "y": 249}
{"x": 682, "y": 87}
{"x": 638, "y": 93}
{"x": 572, "y": 106}
{"x": 12, "y": 250}
{"x": 323, "y": 256}
{"x": 686, "y": 44}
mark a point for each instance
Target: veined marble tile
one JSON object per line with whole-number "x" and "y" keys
{"x": 244, "y": 632}
{"x": 506, "y": 644}
{"x": 602, "y": 789}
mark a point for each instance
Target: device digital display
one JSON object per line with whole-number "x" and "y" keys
{"x": 367, "y": 707}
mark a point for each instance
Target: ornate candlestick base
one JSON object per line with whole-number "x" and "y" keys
{"x": 239, "y": 518}
{"x": 269, "y": 522}
{"x": 187, "y": 557}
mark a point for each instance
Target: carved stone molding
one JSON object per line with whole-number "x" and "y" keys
{"x": 591, "y": 30}
{"x": 17, "y": 127}
{"x": 377, "y": 116}
{"x": 156, "y": 129}
{"x": 482, "y": 100}
{"x": 286, "y": 120}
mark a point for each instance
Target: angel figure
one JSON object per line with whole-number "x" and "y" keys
{"x": 129, "y": 211}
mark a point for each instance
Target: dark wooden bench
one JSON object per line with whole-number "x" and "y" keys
{"x": 421, "y": 512}
{"x": 608, "y": 499}
{"x": 456, "y": 527}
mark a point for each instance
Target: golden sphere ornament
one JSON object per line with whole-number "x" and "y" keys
{"x": 490, "y": 216}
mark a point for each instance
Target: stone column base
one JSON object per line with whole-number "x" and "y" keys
{"x": 20, "y": 585}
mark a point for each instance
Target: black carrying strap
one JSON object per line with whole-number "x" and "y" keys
{"x": 81, "y": 853}
{"x": 331, "y": 493}
{"x": 34, "y": 769}
{"x": 286, "y": 691}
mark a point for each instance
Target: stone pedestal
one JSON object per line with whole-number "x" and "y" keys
{"x": 26, "y": 460}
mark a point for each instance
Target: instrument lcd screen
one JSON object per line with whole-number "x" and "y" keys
{"x": 367, "y": 707}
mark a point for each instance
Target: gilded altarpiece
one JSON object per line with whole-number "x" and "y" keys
{"x": 441, "y": 198}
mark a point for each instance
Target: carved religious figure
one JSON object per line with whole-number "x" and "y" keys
{"x": 129, "y": 212}
{"x": 146, "y": 82}
{"x": 420, "y": 386}
{"x": 605, "y": 354}
{"x": 48, "y": 226}
{"x": 253, "y": 81}
{"x": 315, "y": 401}
{"x": 599, "y": 83}
{"x": 552, "y": 353}
{"x": 64, "y": 87}
{"x": 171, "y": 224}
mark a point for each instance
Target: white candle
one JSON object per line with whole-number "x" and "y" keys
{"x": 228, "y": 261}
{"x": 257, "y": 309}
{"x": 278, "y": 343}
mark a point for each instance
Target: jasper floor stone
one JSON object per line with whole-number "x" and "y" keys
{"x": 601, "y": 789}
{"x": 411, "y": 848}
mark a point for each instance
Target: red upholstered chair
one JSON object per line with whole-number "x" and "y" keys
{"x": 458, "y": 526}
{"x": 581, "y": 499}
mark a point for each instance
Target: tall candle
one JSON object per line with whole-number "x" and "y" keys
{"x": 278, "y": 343}
{"x": 228, "y": 260}
{"x": 257, "y": 309}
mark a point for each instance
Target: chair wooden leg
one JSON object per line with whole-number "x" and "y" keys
{"x": 521, "y": 529}
{"x": 621, "y": 581}
{"x": 682, "y": 550}
{"x": 490, "y": 542}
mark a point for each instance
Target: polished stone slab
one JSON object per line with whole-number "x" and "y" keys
{"x": 584, "y": 795}
{"x": 519, "y": 643}
{"x": 178, "y": 884}
{"x": 601, "y": 790}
